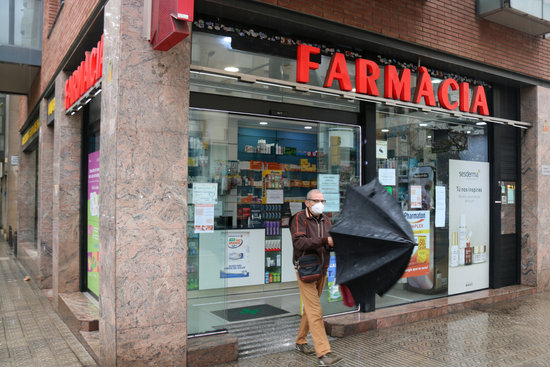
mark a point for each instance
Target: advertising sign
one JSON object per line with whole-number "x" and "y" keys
{"x": 420, "y": 259}
{"x": 468, "y": 226}
{"x": 93, "y": 222}
{"x": 333, "y": 289}
{"x": 238, "y": 256}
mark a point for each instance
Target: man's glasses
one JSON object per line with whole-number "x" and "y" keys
{"x": 318, "y": 201}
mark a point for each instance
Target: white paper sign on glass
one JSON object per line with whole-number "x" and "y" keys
{"x": 386, "y": 176}
{"x": 333, "y": 202}
{"x": 440, "y": 206}
{"x": 329, "y": 183}
{"x": 295, "y": 207}
{"x": 274, "y": 197}
{"x": 205, "y": 193}
{"x": 204, "y": 218}
{"x": 416, "y": 196}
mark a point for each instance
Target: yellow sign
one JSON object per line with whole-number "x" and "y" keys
{"x": 32, "y": 130}
{"x": 51, "y": 106}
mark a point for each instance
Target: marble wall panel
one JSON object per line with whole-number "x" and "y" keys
{"x": 146, "y": 204}
{"x": 143, "y": 195}
{"x": 143, "y": 154}
{"x": 535, "y": 107}
{"x": 45, "y": 193}
{"x": 66, "y": 197}
{"x": 26, "y": 198}
{"x": 134, "y": 346}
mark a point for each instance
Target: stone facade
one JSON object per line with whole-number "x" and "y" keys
{"x": 143, "y": 195}
{"x": 143, "y": 174}
{"x": 535, "y": 153}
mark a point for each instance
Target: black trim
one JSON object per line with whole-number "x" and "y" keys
{"x": 275, "y": 17}
{"x": 368, "y": 142}
{"x": 259, "y": 107}
{"x": 83, "y": 202}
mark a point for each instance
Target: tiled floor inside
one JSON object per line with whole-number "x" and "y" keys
{"x": 31, "y": 333}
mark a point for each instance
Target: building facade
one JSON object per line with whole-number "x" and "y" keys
{"x": 156, "y": 186}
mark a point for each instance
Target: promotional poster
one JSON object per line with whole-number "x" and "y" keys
{"x": 93, "y": 222}
{"x": 420, "y": 259}
{"x": 238, "y": 256}
{"x": 468, "y": 226}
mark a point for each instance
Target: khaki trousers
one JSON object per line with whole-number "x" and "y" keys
{"x": 312, "y": 318}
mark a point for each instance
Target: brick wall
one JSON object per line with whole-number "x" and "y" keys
{"x": 69, "y": 23}
{"x": 447, "y": 25}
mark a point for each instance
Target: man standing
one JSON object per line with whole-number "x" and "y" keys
{"x": 310, "y": 234}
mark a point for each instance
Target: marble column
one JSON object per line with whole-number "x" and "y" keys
{"x": 45, "y": 192}
{"x": 27, "y": 201}
{"x": 66, "y": 197}
{"x": 535, "y": 153}
{"x": 143, "y": 195}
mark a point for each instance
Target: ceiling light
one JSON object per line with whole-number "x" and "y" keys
{"x": 231, "y": 69}
{"x": 308, "y": 127}
{"x": 429, "y": 136}
{"x": 481, "y": 123}
{"x": 468, "y": 132}
{"x": 422, "y": 125}
{"x": 385, "y": 130}
{"x": 263, "y": 122}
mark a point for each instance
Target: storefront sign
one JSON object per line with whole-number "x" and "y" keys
{"x": 396, "y": 86}
{"x": 85, "y": 76}
{"x": 170, "y": 22}
{"x": 420, "y": 259}
{"x": 468, "y": 226}
{"x": 51, "y": 111}
{"x": 30, "y": 133}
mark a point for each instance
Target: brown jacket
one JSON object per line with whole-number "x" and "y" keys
{"x": 310, "y": 235}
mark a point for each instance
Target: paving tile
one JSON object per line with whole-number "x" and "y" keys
{"x": 31, "y": 333}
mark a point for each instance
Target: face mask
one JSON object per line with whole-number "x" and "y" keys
{"x": 318, "y": 208}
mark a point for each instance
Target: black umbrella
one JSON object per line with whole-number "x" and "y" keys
{"x": 373, "y": 242}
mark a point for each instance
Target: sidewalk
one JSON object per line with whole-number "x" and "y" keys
{"x": 31, "y": 333}
{"x": 511, "y": 333}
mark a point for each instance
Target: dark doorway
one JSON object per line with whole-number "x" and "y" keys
{"x": 505, "y": 207}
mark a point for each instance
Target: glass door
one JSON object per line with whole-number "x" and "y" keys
{"x": 248, "y": 174}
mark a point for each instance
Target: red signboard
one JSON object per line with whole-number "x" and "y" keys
{"x": 170, "y": 22}
{"x": 396, "y": 85}
{"x": 85, "y": 76}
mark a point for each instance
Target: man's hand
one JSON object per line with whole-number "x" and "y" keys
{"x": 330, "y": 242}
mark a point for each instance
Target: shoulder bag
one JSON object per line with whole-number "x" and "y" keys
{"x": 309, "y": 268}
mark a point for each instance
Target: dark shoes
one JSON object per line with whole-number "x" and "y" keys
{"x": 305, "y": 348}
{"x": 329, "y": 359}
